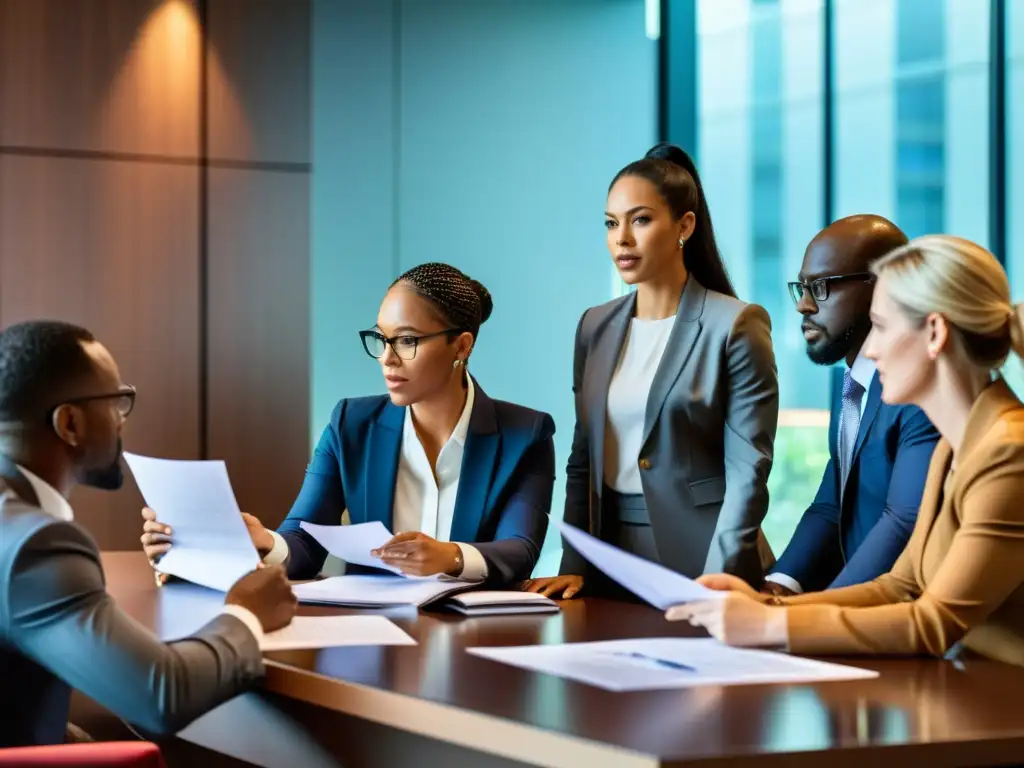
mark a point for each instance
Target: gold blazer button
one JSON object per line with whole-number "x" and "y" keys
{"x": 645, "y": 464}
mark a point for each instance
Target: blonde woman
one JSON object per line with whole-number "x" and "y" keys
{"x": 943, "y": 325}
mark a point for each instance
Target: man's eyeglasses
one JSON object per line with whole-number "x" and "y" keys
{"x": 820, "y": 287}
{"x": 405, "y": 346}
{"x": 125, "y": 401}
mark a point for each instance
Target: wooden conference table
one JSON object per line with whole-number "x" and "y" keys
{"x": 435, "y": 705}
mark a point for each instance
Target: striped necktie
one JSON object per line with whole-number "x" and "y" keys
{"x": 849, "y": 425}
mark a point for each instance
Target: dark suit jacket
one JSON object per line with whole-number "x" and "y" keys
{"x": 709, "y": 432}
{"x": 839, "y": 545}
{"x": 505, "y": 486}
{"x": 59, "y": 629}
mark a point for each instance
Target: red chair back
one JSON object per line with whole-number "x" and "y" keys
{"x": 110, "y": 754}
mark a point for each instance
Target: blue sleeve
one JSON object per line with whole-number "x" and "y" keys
{"x": 889, "y": 537}
{"x": 321, "y": 500}
{"x": 513, "y": 554}
{"x": 815, "y": 551}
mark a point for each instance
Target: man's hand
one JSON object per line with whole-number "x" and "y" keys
{"x": 267, "y": 593}
{"x": 261, "y": 538}
{"x": 776, "y": 589}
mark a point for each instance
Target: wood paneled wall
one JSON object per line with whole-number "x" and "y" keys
{"x": 154, "y": 174}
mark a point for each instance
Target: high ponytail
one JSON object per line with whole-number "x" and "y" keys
{"x": 673, "y": 172}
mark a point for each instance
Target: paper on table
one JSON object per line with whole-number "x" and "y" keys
{"x": 655, "y": 583}
{"x": 334, "y": 631}
{"x": 353, "y": 543}
{"x": 373, "y": 591}
{"x": 654, "y": 663}
{"x": 212, "y": 546}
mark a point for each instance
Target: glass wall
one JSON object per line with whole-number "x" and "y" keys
{"x": 1014, "y": 133}
{"x": 760, "y": 140}
{"x": 911, "y": 101}
{"x": 910, "y": 116}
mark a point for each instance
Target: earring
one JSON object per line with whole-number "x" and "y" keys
{"x": 456, "y": 364}
{"x": 682, "y": 241}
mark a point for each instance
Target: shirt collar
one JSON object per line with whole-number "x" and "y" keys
{"x": 863, "y": 370}
{"x": 50, "y": 501}
{"x": 461, "y": 426}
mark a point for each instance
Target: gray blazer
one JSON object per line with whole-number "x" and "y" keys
{"x": 709, "y": 432}
{"x": 59, "y": 629}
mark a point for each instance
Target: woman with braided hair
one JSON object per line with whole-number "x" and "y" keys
{"x": 464, "y": 479}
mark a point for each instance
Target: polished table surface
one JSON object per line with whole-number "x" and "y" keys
{"x": 966, "y": 712}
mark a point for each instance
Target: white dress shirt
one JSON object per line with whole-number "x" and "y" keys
{"x": 422, "y": 503}
{"x": 863, "y": 372}
{"x": 55, "y": 505}
{"x": 630, "y": 386}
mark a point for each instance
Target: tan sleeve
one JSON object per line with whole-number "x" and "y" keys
{"x": 979, "y": 571}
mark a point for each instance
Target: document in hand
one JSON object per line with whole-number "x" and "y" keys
{"x": 334, "y": 631}
{"x": 669, "y": 662}
{"x": 378, "y": 591}
{"x": 654, "y": 583}
{"x": 353, "y": 543}
{"x": 212, "y": 546}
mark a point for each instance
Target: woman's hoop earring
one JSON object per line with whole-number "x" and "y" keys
{"x": 456, "y": 364}
{"x": 682, "y": 242}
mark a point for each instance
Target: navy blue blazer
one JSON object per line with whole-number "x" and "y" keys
{"x": 505, "y": 485}
{"x": 836, "y": 547}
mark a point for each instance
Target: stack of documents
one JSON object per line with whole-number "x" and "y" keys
{"x": 490, "y": 603}
{"x": 333, "y": 631}
{"x": 655, "y": 663}
{"x": 378, "y": 591}
{"x": 212, "y": 546}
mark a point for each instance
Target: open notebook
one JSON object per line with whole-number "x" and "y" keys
{"x": 378, "y": 591}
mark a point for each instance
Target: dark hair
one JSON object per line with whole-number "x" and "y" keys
{"x": 39, "y": 362}
{"x": 463, "y": 302}
{"x": 674, "y": 174}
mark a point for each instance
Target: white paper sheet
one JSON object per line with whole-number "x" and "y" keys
{"x": 212, "y": 546}
{"x": 373, "y": 591}
{"x": 654, "y": 583}
{"x": 334, "y": 631}
{"x": 656, "y": 663}
{"x": 353, "y": 543}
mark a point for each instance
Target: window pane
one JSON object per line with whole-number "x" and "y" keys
{"x": 911, "y": 113}
{"x": 1015, "y": 167}
{"x": 760, "y": 154}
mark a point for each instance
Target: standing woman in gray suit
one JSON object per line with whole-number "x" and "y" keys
{"x": 677, "y": 395}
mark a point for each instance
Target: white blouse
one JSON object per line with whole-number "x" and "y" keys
{"x": 630, "y": 386}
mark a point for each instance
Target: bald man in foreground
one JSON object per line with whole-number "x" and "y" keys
{"x": 866, "y": 506}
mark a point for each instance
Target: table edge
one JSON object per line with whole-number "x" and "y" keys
{"x": 466, "y": 728}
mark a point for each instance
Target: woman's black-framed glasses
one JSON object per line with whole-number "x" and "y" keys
{"x": 405, "y": 345}
{"x": 125, "y": 401}
{"x": 819, "y": 287}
